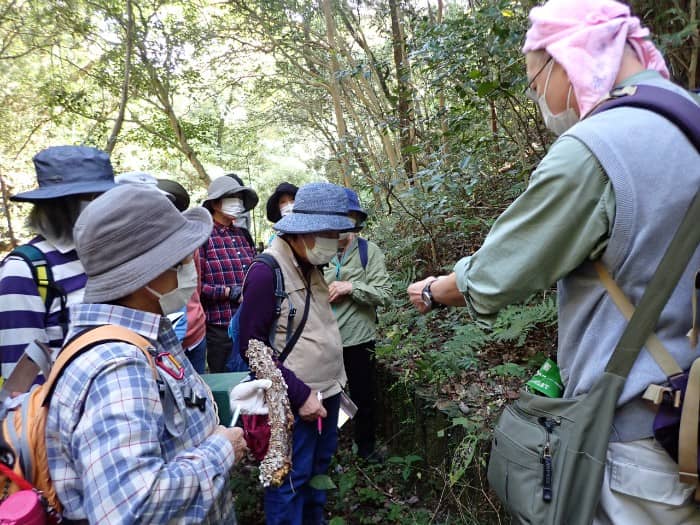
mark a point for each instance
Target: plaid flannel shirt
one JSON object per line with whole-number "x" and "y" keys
{"x": 223, "y": 260}
{"x": 118, "y": 451}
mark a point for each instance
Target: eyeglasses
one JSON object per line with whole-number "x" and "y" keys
{"x": 532, "y": 93}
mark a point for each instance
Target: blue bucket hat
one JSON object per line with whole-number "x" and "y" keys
{"x": 69, "y": 170}
{"x": 354, "y": 205}
{"x": 318, "y": 207}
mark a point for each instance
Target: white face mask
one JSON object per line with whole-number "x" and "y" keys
{"x": 232, "y": 206}
{"x": 560, "y": 122}
{"x": 323, "y": 251}
{"x": 176, "y": 299}
{"x": 344, "y": 236}
{"x": 286, "y": 209}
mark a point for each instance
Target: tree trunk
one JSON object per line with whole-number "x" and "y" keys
{"x": 128, "y": 48}
{"x": 695, "y": 40}
{"x": 6, "y": 210}
{"x": 335, "y": 93}
{"x": 403, "y": 106}
{"x": 166, "y": 107}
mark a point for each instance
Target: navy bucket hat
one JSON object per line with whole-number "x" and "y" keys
{"x": 318, "y": 207}
{"x": 69, "y": 170}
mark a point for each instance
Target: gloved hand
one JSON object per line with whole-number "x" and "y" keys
{"x": 250, "y": 396}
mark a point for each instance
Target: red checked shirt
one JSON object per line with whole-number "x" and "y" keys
{"x": 224, "y": 260}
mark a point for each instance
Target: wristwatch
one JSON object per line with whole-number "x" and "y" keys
{"x": 427, "y": 296}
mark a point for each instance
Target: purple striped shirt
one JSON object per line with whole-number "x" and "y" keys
{"x": 22, "y": 311}
{"x": 224, "y": 260}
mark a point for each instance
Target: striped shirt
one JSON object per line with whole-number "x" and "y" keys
{"x": 118, "y": 452}
{"x": 224, "y": 260}
{"x": 22, "y": 311}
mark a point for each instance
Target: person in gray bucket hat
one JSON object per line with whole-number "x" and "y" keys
{"x": 313, "y": 366}
{"x": 115, "y": 419}
{"x": 68, "y": 178}
{"x": 223, "y": 262}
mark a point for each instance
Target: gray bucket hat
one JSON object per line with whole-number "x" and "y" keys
{"x": 228, "y": 187}
{"x": 318, "y": 207}
{"x": 69, "y": 170}
{"x": 131, "y": 235}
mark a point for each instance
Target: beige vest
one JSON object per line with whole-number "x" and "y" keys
{"x": 317, "y": 357}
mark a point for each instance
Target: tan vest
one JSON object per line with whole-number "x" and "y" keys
{"x": 317, "y": 357}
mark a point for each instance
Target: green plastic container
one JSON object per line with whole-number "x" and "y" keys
{"x": 221, "y": 386}
{"x": 547, "y": 380}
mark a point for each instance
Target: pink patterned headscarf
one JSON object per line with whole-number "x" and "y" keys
{"x": 587, "y": 37}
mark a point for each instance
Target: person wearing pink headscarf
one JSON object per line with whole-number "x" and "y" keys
{"x": 609, "y": 189}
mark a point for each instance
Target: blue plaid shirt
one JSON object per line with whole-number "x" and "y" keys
{"x": 118, "y": 451}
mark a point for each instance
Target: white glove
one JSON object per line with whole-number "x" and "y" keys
{"x": 250, "y": 396}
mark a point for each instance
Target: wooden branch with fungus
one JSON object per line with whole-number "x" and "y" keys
{"x": 278, "y": 460}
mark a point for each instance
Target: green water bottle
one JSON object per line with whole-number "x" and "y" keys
{"x": 547, "y": 380}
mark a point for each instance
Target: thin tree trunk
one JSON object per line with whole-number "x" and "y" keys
{"x": 335, "y": 92}
{"x": 693, "y": 65}
{"x": 403, "y": 106}
{"x": 167, "y": 108}
{"x": 6, "y": 209}
{"x": 442, "y": 106}
{"x": 494, "y": 125}
{"x": 128, "y": 49}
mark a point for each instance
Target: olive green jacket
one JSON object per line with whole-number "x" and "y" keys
{"x": 356, "y": 313}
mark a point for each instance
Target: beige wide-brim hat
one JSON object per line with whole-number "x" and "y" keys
{"x": 228, "y": 187}
{"x": 132, "y": 234}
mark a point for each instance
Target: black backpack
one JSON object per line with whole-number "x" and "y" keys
{"x": 235, "y": 363}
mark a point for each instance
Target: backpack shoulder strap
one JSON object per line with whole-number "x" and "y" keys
{"x": 363, "y": 247}
{"x": 89, "y": 339}
{"x": 272, "y": 263}
{"x": 46, "y": 285}
{"x": 676, "y": 108}
{"x": 41, "y": 271}
{"x": 280, "y": 295}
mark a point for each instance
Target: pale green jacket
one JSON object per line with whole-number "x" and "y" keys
{"x": 564, "y": 217}
{"x": 356, "y": 313}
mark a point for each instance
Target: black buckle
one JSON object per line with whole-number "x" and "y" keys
{"x": 193, "y": 400}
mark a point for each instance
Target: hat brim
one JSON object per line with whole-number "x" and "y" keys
{"x": 63, "y": 190}
{"x": 310, "y": 223}
{"x": 250, "y": 198}
{"x": 136, "y": 273}
{"x": 272, "y": 207}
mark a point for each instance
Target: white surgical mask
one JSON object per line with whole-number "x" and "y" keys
{"x": 232, "y": 206}
{"x": 176, "y": 299}
{"x": 344, "y": 236}
{"x": 560, "y": 122}
{"x": 323, "y": 251}
{"x": 286, "y": 209}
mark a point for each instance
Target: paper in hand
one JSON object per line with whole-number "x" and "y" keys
{"x": 347, "y": 410}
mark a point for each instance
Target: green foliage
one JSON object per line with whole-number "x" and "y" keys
{"x": 407, "y": 464}
{"x": 322, "y": 482}
{"x": 510, "y": 369}
{"x": 515, "y": 322}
